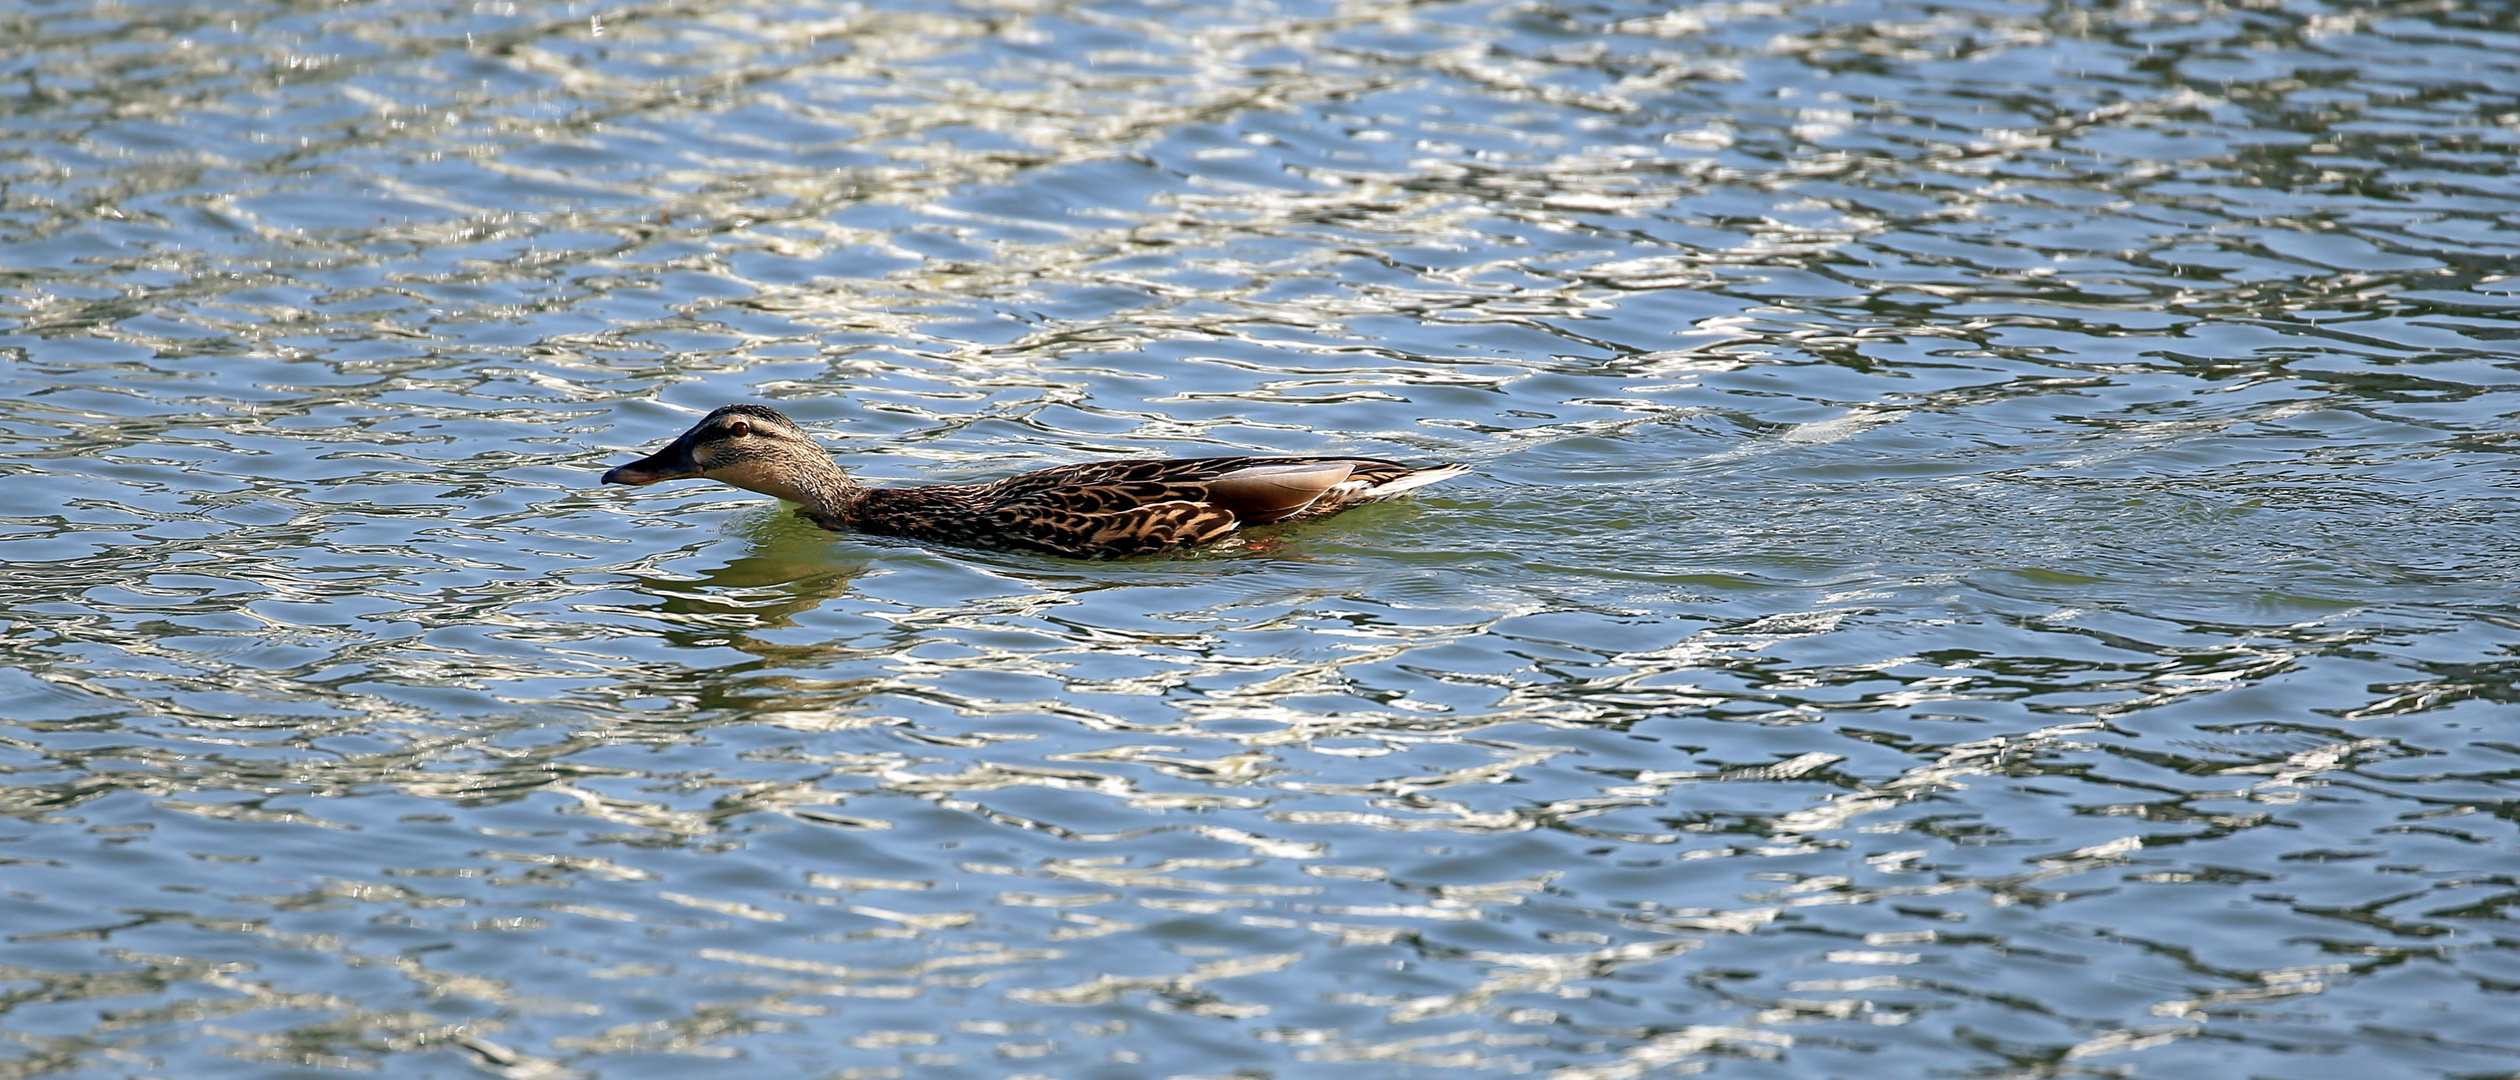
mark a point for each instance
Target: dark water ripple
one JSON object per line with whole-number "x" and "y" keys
{"x": 1991, "y": 554}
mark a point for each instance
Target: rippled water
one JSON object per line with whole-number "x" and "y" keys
{"x": 1993, "y": 548}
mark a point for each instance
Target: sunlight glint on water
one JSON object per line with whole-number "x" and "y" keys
{"x": 1991, "y": 547}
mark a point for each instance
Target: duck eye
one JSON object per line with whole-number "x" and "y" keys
{"x": 737, "y": 429}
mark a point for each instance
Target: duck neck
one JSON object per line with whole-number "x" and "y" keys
{"x": 828, "y": 492}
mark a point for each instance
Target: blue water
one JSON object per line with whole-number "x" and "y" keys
{"x": 1991, "y": 550}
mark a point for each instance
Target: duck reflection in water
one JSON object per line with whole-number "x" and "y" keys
{"x": 1096, "y": 510}
{"x": 796, "y": 680}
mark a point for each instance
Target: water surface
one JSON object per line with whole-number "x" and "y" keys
{"x": 1991, "y": 551}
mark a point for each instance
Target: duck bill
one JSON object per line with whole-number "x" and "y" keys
{"x": 672, "y": 463}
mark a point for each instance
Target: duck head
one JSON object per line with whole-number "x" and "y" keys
{"x": 753, "y": 447}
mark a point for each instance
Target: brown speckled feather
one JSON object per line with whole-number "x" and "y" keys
{"x": 1100, "y": 509}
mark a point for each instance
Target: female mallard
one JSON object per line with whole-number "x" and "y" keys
{"x": 1097, "y": 510}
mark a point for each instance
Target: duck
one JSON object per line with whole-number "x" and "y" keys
{"x": 1093, "y": 510}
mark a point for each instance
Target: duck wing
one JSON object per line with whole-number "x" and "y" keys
{"x": 1259, "y": 494}
{"x": 1137, "y": 506}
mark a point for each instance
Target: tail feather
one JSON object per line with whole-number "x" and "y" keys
{"x": 1411, "y": 481}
